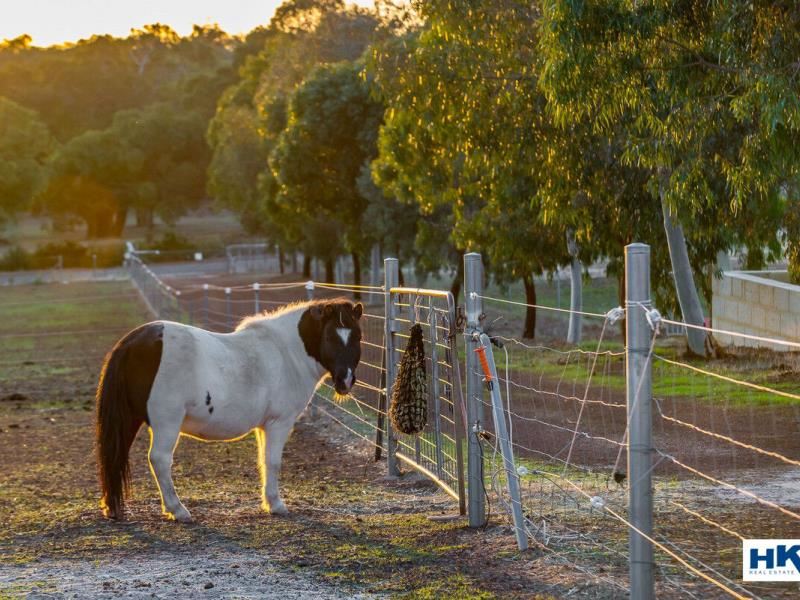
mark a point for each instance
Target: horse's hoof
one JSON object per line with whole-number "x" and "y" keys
{"x": 181, "y": 516}
{"x": 279, "y": 508}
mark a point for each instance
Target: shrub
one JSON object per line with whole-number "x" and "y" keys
{"x": 72, "y": 253}
{"x": 16, "y": 259}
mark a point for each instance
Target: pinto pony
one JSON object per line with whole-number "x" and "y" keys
{"x": 219, "y": 386}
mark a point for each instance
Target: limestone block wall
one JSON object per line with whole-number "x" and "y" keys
{"x": 756, "y": 303}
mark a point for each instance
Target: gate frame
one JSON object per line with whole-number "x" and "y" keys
{"x": 391, "y": 266}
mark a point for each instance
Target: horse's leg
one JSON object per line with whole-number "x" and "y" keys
{"x": 261, "y": 442}
{"x": 276, "y": 433}
{"x": 163, "y": 439}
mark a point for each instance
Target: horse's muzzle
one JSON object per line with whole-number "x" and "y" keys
{"x": 344, "y": 382}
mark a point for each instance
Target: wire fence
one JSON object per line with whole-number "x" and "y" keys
{"x": 721, "y": 464}
{"x": 258, "y": 257}
{"x": 724, "y": 461}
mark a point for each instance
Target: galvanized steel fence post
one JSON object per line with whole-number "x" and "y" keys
{"x": 391, "y": 278}
{"x": 501, "y": 431}
{"x": 256, "y": 307}
{"x": 228, "y": 312}
{"x": 205, "y": 305}
{"x": 639, "y": 401}
{"x": 473, "y": 289}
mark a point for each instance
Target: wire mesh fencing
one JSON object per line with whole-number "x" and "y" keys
{"x": 249, "y": 258}
{"x": 436, "y": 452}
{"x": 723, "y": 456}
{"x": 566, "y": 417}
{"x": 719, "y": 464}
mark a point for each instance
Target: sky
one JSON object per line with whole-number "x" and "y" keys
{"x": 57, "y": 21}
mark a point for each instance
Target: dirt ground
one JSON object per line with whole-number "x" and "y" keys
{"x": 350, "y": 533}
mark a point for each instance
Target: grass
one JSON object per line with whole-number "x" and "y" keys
{"x": 344, "y": 529}
{"x": 53, "y": 337}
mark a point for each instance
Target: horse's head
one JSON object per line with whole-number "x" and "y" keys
{"x": 331, "y": 334}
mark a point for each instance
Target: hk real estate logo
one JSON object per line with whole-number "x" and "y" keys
{"x": 771, "y": 560}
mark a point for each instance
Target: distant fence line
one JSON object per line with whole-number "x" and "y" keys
{"x": 626, "y": 451}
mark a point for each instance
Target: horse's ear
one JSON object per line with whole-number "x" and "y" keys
{"x": 358, "y": 310}
{"x": 316, "y": 312}
{"x": 328, "y": 310}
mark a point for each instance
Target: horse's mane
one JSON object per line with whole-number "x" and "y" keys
{"x": 270, "y": 314}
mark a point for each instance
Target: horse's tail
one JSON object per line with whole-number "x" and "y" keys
{"x": 115, "y": 422}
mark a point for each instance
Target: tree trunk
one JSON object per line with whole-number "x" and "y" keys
{"x": 120, "y": 216}
{"x": 356, "y": 275}
{"x": 685, "y": 287}
{"x": 306, "y": 266}
{"x": 530, "y": 313}
{"x": 144, "y": 217}
{"x": 91, "y": 227}
{"x": 576, "y": 291}
{"x": 455, "y": 287}
{"x": 621, "y": 298}
{"x": 400, "y": 277}
{"x": 375, "y": 265}
{"x": 101, "y": 224}
{"x": 330, "y": 270}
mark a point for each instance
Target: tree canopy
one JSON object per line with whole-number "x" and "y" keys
{"x": 435, "y": 128}
{"x": 25, "y": 145}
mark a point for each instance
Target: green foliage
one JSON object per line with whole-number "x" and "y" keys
{"x": 671, "y": 81}
{"x": 170, "y": 241}
{"x": 82, "y": 86}
{"x": 25, "y": 144}
{"x": 150, "y": 159}
{"x": 68, "y": 254}
{"x": 466, "y": 138}
{"x": 253, "y": 118}
{"x": 331, "y": 131}
{"x": 131, "y": 113}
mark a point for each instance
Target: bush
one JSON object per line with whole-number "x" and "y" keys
{"x": 174, "y": 247}
{"x": 16, "y": 259}
{"x": 170, "y": 241}
{"x": 74, "y": 255}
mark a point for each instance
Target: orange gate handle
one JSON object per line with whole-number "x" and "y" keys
{"x": 481, "y": 352}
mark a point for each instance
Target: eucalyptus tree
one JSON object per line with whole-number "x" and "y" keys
{"x": 683, "y": 79}
{"x": 151, "y": 160}
{"x": 94, "y": 177}
{"x": 467, "y": 132}
{"x": 332, "y": 128}
{"x": 252, "y": 113}
{"x": 25, "y": 145}
{"x": 81, "y": 86}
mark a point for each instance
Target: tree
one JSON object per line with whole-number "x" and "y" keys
{"x": 466, "y": 134}
{"x": 332, "y": 129}
{"x": 25, "y": 145}
{"x": 93, "y": 176}
{"x": 171, "y": 179}
{"x": 252, "y": 112}
{"x": 149, "y": 159}
{"x": 670, "y": 74}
